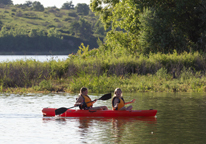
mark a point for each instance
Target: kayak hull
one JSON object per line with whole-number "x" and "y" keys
{"x": 100, "y": 113}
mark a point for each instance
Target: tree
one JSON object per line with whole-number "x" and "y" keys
{"x": 163, "y": 24}
{"x": 75, "y": 27}
{"x": 1, "y": 24}
{"x": 99, "y": 28}
{"x": 82, "y": 8}
{"x": 82, "y": 28}
{"x": 37, "y": 6}
{"x": 67, "y": 5}
{"x": 6, "y": 2}
{"x": 28, "y": 3}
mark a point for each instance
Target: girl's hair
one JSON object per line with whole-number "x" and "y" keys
{"x": 82, "y": 90}
{"x": 116, "y": 91}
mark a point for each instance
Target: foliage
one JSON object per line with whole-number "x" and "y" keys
{"x": 82, "y": 28}
{"x": 72, "y": 14}
{"x": 37, "y": 6}
{"x": 99, "y": 28}
{"x": 45, "y": 85}
{"x": 6, "y": 2}
{"x": 99, "y": 73}
{"x": 25, "y": 31}
{"x": 67, "y": 5}
{"x": 83, "y": 51}
{"x": 82, "y": 8}
{"x": 153, "y": 26}
{"x": 28, "y": 3}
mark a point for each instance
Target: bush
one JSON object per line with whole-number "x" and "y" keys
{"x": 72, "y": 14}
{"x": 162, "y": 73}
{"x": 14, "y": 10}
{"x": 45, "y": 85}
{"x": 58, "y": 14}
{"x": 37, "y": 6}
{"x": 6, "y": 11}
{"x": 67, "y": 19}
{"x": 56, "y": 20}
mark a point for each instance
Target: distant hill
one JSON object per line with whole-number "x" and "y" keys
{"x": 32, "y": 29}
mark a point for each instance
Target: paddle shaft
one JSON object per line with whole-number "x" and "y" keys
{"x": 63, "y": 109}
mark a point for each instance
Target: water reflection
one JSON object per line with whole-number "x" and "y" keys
{"x": 180, "y": 119}
{"x": 108, "y": 129}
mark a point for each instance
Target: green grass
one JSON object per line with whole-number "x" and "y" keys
{"x": 24, "y": 31}
{"x": 152, "y": 73}
{"x": 27, "y": 19}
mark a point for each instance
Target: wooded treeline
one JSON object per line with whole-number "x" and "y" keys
{"x": 154, "y": 25}
{"x": 30, "y": 28}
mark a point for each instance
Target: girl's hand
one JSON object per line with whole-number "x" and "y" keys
{"x": 77, "y": 104}
{"x": 94, "y": 100}
{"x": 132, "y": 100}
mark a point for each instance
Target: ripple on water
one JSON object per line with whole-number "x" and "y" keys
{"x": 180, "y": 119}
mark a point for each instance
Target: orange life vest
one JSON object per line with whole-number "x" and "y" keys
{"x": 86, "y": 105}
{"x": 120, "y": 105}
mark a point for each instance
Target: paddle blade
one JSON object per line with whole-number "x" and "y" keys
{"x": 106, "y": 96}
{"x": 60, "y": 110}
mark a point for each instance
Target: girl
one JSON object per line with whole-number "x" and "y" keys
{"x": 118, "y": 102}
{"x": 84, "y": 102}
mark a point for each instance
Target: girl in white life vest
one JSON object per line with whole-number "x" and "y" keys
{"x": 84, "y": 101}
{"x": 118, "y": 102}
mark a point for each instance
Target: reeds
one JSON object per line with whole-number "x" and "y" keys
{"x": 155, "y": 72}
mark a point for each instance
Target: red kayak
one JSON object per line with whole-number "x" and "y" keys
{"x": 100, "y": 113}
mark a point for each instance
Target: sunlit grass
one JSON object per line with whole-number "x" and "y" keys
{"x": 153, "y": 73}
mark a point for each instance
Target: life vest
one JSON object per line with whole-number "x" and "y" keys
{"x": 86, "y": 105}
{"x": 120, "y": 105}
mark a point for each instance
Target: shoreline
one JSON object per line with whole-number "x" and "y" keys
{"x": 153, "y": 73}
{"x": 132, "y": 85}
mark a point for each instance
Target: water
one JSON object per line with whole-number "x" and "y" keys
{"x": 180, "y": 119}
{"x": 41, "y": 58}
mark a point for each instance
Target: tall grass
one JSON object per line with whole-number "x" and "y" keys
{"x": 154, "y": 72}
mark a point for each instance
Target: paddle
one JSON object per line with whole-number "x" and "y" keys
{"x": 63, "y": 109}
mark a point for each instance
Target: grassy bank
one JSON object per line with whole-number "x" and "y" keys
{"x": 156, "y": 73}
{"x": 134, "y": 83}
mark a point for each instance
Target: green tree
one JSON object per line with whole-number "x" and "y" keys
{"x": 99, "y": 28}
{"x": 82, "y": 8}
{"x": 82, "y": 28}
{"x": 67, "y": 5}
{"x": 33, "y": 33}
{"x": 1, "y": 24}
{"x": 163, "y": 24}
{"x": 37, "y": 6}
{"x": 75, "y": 27}
{"x": 52, "y": 32}
{"x": 6, "y": 2}
{"x": 28, "y": 3}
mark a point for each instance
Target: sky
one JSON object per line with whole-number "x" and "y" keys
{"x": 49, "y": 3}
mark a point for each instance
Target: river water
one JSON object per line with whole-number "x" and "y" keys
{"x": 41, "y": 58}
{"x": 180, "y": 119}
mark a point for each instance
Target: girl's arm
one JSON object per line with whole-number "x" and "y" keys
{"x": 79, "y": 101}
{"x": 130, "y": 102}
{"x": 116, "y": 102}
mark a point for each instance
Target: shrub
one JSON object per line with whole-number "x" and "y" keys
{"x": 45, "y": 85}
{"x": 72, "y": 14}
{"x": 56, "y": 20}
{"x": 162, "y": 73}
{"x": 67, "y": 19}
{"x": 6, "y": 11}
{"x": 14, "y": 10}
